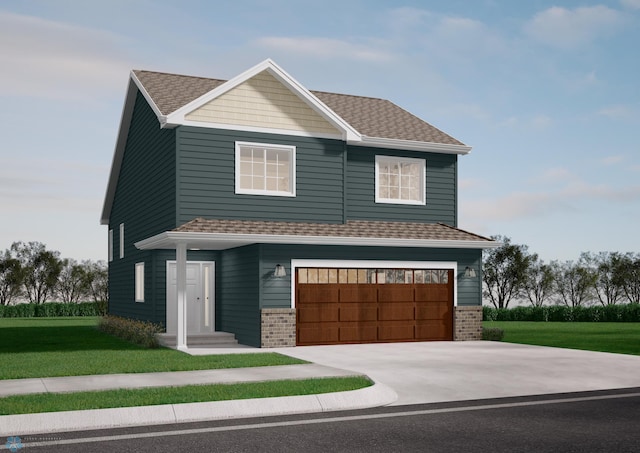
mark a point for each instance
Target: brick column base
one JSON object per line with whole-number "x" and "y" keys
{"x": 278, "y": 327}
{"x": 467, "y": 323}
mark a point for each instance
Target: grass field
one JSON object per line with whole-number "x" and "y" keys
{"x": 48, "y": 347}
{"x": 54, "y": 402}
{"x": 619, "y": 337}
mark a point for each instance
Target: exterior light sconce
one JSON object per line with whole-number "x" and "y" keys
{"x": 279, "y": 271}
{"x": 469, "y": 272}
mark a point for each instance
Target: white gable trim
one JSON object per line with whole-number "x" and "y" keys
{"x": 178, "y": 117}
{"x": 121, "y": 142}
{"x": 147, "y": 96}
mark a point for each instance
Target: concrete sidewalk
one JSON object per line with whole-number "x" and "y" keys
{"x": 168, "y": 379}
{"x": 403, "y": 373}
{"x": 12, "y": 425}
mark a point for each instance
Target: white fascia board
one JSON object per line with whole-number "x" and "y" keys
{"x": 316, "y": 104}
{"x": 221, "y": 241}
{"x": 178, "y": 117}
{"x": 118, "y": 153}
{"x": 410, "y": 145}
{"x": 149, "y": 99}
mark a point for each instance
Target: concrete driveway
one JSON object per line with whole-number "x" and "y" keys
{"x": 453, "y": 371}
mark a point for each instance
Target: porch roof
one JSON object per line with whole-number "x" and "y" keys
{"x": 220, "y": 234}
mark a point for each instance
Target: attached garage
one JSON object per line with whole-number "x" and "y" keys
{"x": 369, "y": 305}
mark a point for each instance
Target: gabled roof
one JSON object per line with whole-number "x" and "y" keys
{"x": 362, "y": 121}
{"x": 371, "y": 117}
{"x": 223, "y": 234}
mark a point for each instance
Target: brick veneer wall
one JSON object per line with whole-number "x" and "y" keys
{"x": 278, "y": 327}
{"x": 467, "y": 323}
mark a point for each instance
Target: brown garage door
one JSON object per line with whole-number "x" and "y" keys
{"x": 373, "y": 305}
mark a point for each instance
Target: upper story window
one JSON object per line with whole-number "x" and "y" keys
{"x": 263, "y": 169}
{"x": 400, "y": 180}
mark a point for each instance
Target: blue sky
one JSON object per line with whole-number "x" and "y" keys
{"x": 547, "y": 93}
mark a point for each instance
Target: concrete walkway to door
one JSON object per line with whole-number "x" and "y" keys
{"x": 432, "y": 372}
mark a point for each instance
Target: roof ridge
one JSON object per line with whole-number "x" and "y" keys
{"x": 351, "y": 95}
{"x": 180, "y": 75}
{"x": 226, "y": 80}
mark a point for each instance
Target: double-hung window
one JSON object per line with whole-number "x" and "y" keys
{"x": 400, "y": 180}
{"x": 265, "y": 169}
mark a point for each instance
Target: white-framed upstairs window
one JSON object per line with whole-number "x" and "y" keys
{"x": 400, "y": 180}
{"x": 265, "y": 169}
{"x": 110, "y": 248}
{"x": 139, "y": 282}
{"x": 122, "y": 240}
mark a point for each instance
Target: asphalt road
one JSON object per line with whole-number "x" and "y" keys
{"x": 604, "y": 421}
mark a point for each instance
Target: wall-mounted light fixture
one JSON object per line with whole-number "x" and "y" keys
{"x": 279, "y": 271}
{"x": 469, "y": 272}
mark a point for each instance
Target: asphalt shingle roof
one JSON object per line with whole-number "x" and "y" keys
{"x": 352, "y": 229}
{"x": 372, "y": 117}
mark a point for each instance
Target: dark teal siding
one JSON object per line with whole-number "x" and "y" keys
{"x": 206, "y": 179}
{"x": 276, "y": 293}
{"x": 237, "y": 306}
{"x": 440, "y": 186}
{"x": 145, "y": 202}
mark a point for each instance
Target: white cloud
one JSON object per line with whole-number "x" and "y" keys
{"x": 557, "y": 174}
{"x": 612, "y": 160}
{"x": 471, "y": 184}
{"x": 633, "y": 4}
{"x": 572, "y": 28}
{"x": 541, "y": 122}
{"x": 527, "y": 205}
{"x": 54, "y": 60}
{"x": 617, "y": 111}
{"x": 536, "y": 123}
{"x": 326, "y": 48}
{"x": 34, "y": 185}
{"x": 474, "y": 111}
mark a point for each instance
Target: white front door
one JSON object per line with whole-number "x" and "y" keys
{"x": 200, "y": 297}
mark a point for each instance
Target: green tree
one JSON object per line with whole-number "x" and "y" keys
{"x": 504, "y": 271}
{"x": 629, "y": 276}
{"x": 40, "y": 269}
{"x": 574, "y": 283}
{"x": 10, "y": 278}
{"x": 538, "y": 285}
{"x": 73, "y": 283}
{"x": 607, "y": 268}
{"x": 97, "y": 277}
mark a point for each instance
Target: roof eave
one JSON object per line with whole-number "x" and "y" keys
{"x": 411, "y": 145}
{"x": 169, "y": 240}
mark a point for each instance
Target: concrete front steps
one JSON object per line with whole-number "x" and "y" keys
{"x": 203, "y": 340}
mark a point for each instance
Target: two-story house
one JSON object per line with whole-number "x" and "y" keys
{"x": 286, "y": 216}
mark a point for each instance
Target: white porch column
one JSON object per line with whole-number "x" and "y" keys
{"x": 181, "y": 286}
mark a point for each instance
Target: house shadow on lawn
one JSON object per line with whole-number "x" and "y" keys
{"x": 58, "y": 337}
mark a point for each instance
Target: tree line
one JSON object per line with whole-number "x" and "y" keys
{"x": 28, "y": 271}
{"x": 511, "y": 272}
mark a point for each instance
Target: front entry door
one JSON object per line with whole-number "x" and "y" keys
{"x": 200, "y": 297}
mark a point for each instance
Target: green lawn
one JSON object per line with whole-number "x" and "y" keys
{"x": 54, "y": 402}
{"x": 47, "y": 347}
{"x": 619, "y": 337}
